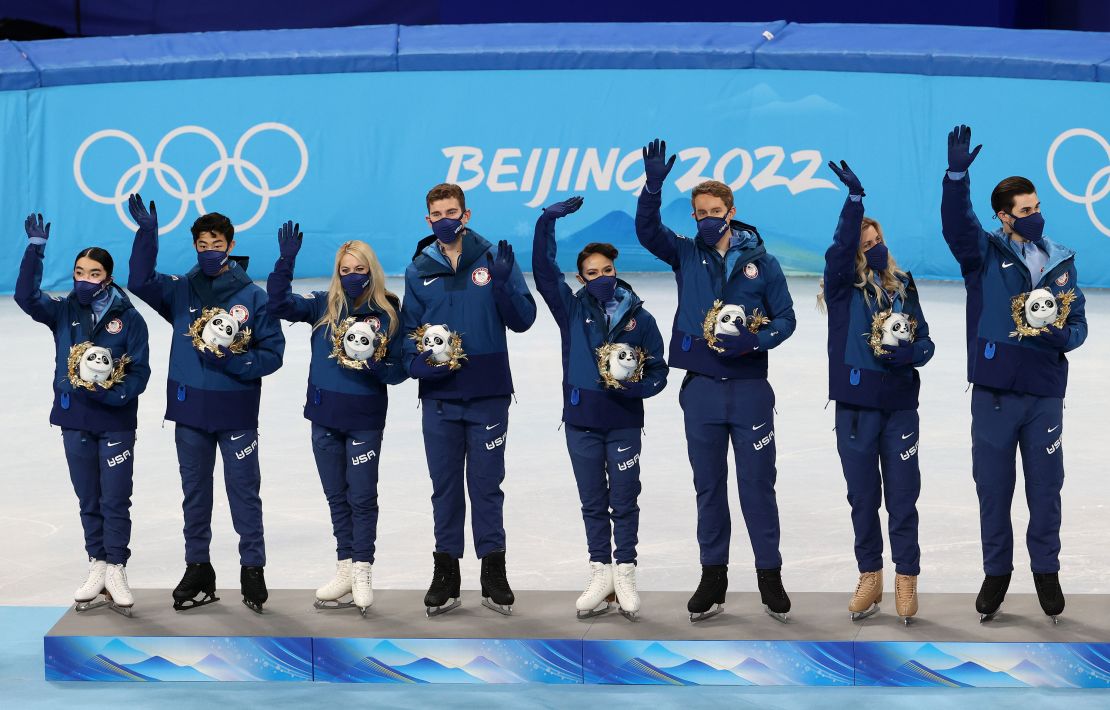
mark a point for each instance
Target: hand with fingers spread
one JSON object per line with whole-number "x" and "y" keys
{"x": 147, "y": 220}
{"x": 289, "y": 239}
{"x": 960, "y": 155}
{"x": 501, "y": 267}
{"x": 36, "y": 232}
{"x": 848, "y": 178}
{"x": 562, "y": 209}
{"x": 656, "y": 165}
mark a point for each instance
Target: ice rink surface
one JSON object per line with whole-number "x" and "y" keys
{"x": 42, "y": 550}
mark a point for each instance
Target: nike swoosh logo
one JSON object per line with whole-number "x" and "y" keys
{"x": 192, "y": 310}
{"x": 906, "y": 436}
{"x": 1053, "y": 428}
{"x": 429, "y": 281}
{"x": 237, "y": 438}
{"x": 589, "y": 320}
{"x": 620, "y": 450}
{"x": 759, "y": 427}
{"x": 493, "y": 426}
{"x": 114, "y": 443}
{"x": 1007, "y": 264}
{"x": 75, "y": 323}
{"x": 357, "y": 443}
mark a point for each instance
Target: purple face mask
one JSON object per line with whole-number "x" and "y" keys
{"x": 354, "y": 284}
{"x": 211, "y": 261}
{"x": 603, "y": 288}
{"x": 88, "y": 291}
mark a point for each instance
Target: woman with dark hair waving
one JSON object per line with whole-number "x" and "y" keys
{"x": 100, "y": 369}
{"x": 356, "y": 352}
{"x": 878, "y": 338}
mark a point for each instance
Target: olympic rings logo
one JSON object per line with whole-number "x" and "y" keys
{"x": 208, "y": 182}
{"x": 1089, "y": 196}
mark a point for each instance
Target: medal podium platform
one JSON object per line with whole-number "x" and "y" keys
{"x": 543, "y": 642}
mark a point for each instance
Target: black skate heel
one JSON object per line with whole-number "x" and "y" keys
{"x": 443, "y": 594}
{"x": 199, "y": 579}
{"x": 711, "y": 591}
{"x": 1049, "y": 594}
{"x": 991, "y": 596}
{"x": 496, "y": 593}
{"x": 252, "y": 583}
{"x": 775, "y": 600}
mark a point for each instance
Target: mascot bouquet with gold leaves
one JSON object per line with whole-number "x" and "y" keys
{"x": 620, "y": 362}
{"x": 357, "y": 343}
{"x": 444, "y": 345}
{"x": 91, "y": 366}
{"x": 215, "y": 329}
{"x": 727, "y": 319}
{"x": 889, "y": 330}
{"x": 1033, "y": 312}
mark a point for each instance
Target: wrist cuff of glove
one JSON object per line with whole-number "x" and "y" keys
{"x": 37, "y": 241}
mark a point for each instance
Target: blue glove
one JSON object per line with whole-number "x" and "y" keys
{"x": 96, "y": 394}
{"x": 960, "y": 155}
{"x": 631, "y": 390}
{"x": 898, "y": 356}
{"x": 501, "y": 267}
{"x": 421, "y": 369}
{"x": 737, "y": 345}
{"x": 36, "y": 233}
{"x": 562, "y": 209}
{"x": 289, "y": 240}
{"x": 656, "y": 165}
{"x": 147, "y": 221}
{"x": 211, "y": 359}
{"x": 1055, "y": 337}
{"x": 848, "y": 178}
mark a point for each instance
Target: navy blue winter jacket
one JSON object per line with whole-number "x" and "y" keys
{"x": 581, "y": 320}
{"x": 120, "y": 329}
{"x": 756, "y": 281}
{"x": 468, "y": 302}
{"x": 338, "y": 397}
{"x": 856, "y": 375}
{"x": 199, "y": 395}
{"x": 994, "y": 273}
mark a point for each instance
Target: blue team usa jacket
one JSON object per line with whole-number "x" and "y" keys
{"x": 464, "y": 300}
{"x": 856, "y": 375}
{"x": 994, "y": 272}
{"x": 199, "y": 395}
{"x": 756, "y": 281}
{"x": 581, "y": 320}
{"x": 120, "y": 329}
{"x": 338, "y": 397}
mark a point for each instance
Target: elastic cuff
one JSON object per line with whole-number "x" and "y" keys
{"x": 855, "y": 198}
{"x": 649, "y": 191}
{"x": 956, "y": 176}
{"x": 37, "y": 241}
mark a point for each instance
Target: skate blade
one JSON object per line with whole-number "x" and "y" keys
{"x": 598, "y": 611}
{"x": 90, "y": 605}
{"x": 256, "y": 608}
{"x": 861, "y": 615}
{"x": 630, "y": 615}
{"x": 332, "y": 604}
{"x": 1055, "y": 619}
{"x": 121, "y": 610}
{"x": 438, "y": 610}
{"x": 363, "y": 610}
{"x": 984, "y": 618}
{"x": 779, "y": 616}
{"x": 503, "y": 610}
{"x": 188, "y": 604}
{"x": 702, "y": 616}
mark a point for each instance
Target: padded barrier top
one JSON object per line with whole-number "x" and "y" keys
{"x": 939, "y": 50}
{"x": 914, "y": 49}
{"x": 664, "y": 45}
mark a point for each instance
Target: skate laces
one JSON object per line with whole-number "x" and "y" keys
{"x": 904, "y": 584}
{"x": 868, "y": 579}
{"x": 362, "y": 574}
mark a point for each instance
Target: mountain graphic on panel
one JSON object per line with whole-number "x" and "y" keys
{"x": 371, "y": 670}
{"x": 215, "y": 667}
{"x": 637, "y": 671}
{"x": 430, "y": 671}
{"x": 392, "y": 654}
{"x": 160, "y": 668}
{"x": 933, "y": 658}
{"x": 120, "y": 652}
{"x": 757, "y": 673}
{"x": 617, "y": 228}
{"x": 975, "y": 675}
{"x": 694, "y": 671}
{"x": 660, "y": 656}
{"x": 102, "y": 668}
{"x": 1032, "y": 674}
{"x": 488, "y": 671}
{"x": 912, "y": 673}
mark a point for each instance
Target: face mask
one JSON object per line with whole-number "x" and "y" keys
{"x": 711, "y": 229}
{"x": 877, "y": 257}
{"x": 87, "y": 291}
{"x": 603, "y": 288}
{"x": 211, "y": 261}
{"x": 447, "y": 230}
{"x": 1030, "y": 228}
{"x": 354, "y": 284}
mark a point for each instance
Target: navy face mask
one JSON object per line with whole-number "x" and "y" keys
{"x": 211, "y": 261}
{"x": 354, "y": 284}
{"x": 877, "y": 257}
{"x": 87, "y": 291}
{"x": 711, "y": 229}
{"x": 447, "y": 230}
{"x": 1030, "y": 227}
{"x": 603, "y": 288}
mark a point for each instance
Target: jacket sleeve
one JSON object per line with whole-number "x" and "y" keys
{"x": 840, "y": 258}
{"x": 923, "y": 346}
{"x": 515, "y": 303}
{"x": 138, "y": 371}
{"x": 267, "y": 347}
{"x": 412, "y": 317}
{"x": 1077, "y": 316}
{"x": 545, "y": 271}
{"x": 655, "y": 369}
{"x": 650, "y": 230}
{"x": 153, "y": 288}
{"x": 965, "y": 236}
{"x": 780, "y": 308}
{"x": 281, "y": 301}
{"x": 28, "y": 295}
{"x": 393, "y": 370}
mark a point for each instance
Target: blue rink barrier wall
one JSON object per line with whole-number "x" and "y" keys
{"x": 344, "y": 130}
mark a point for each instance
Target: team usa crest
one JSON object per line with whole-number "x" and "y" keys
{"x": 374, "y": 322}
{"x": 751, "y": 270}
{"x": 1062, "y": 279}
{"x": 631, "y": 325}
{"x": 480, "y": 276}
{"x": 240, "y": 313}
{"x": 114, "y": 326}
